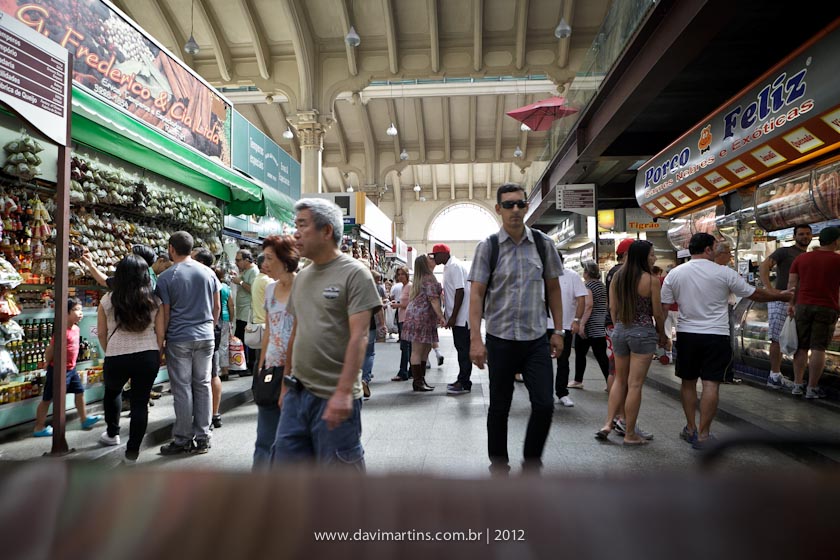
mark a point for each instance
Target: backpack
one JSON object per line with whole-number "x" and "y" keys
{"x": 540, "y": 240}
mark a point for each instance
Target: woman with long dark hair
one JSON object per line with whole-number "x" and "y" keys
{"x": 634, "y": 305}
{"x": 130, "y": 331}
{"x": 422, "y": 319}
{"x": 400, "y": 301}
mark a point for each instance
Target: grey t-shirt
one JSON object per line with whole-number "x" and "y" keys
{"x": 323, "y": 299}
{"x": 188, "y": 288}
{"x": 784, "y": 257}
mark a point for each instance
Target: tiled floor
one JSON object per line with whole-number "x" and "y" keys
{"x": 441, "y": 435}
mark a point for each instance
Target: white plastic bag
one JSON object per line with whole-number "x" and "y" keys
{"x": 788, "y": 339}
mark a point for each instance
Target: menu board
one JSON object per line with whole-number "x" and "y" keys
{"x": 786, "y": 202}
{"x": 827, "y": 190}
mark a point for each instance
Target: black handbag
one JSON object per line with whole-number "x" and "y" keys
{"x": 266, "y": 386}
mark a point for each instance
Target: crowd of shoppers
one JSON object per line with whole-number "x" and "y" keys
{"x": 322, "y": 323}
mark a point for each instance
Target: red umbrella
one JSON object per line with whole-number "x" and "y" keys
{"x": 540, "y": 115}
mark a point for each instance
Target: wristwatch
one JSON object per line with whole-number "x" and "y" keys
{"x": 560, "y": 332}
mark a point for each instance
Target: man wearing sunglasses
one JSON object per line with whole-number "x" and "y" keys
{"x": 514, "y": 309}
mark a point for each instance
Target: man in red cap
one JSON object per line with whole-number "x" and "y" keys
{"x": 456, "y": 297}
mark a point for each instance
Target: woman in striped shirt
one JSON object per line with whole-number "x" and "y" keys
{"x": 592, "y": 333}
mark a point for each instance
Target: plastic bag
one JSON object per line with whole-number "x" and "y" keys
{"x": 788, "y": 339}
{"x": 237, "y": 355}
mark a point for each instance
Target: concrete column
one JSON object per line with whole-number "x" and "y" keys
{"x": 311, "y": 129}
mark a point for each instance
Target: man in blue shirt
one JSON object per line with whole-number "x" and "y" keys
{"x": 191, "y": 306}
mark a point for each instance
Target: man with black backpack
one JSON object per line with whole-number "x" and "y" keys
{"x": 514, "y": 279}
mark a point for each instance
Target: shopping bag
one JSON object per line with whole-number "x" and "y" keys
{"x": 237, "y": 355}
{"x": 788, "y": 339}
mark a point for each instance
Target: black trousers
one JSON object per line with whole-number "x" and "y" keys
{"x": 599, "y": 350}
{"x": 405, "y": 354}
{"x": 141, "y": 368}
{"x": 461, "y": 336}
{"x": 562, "y": 379}
{"x": 250, "y": 359}
{"x": 506, "y": 358}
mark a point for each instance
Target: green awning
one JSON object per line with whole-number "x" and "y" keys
{"x": 105, "y": 128}
{"x": 278, "y": 205}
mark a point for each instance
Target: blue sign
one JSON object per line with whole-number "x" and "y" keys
{"x": 259, "y": 157}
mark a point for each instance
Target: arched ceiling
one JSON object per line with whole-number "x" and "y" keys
{"x": 460, "y": 143}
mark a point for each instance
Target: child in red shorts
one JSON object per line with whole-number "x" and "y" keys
{"x": 74, "y": 383}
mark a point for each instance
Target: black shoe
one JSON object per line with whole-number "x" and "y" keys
{"x": 440, "y": 361}
{"x": 201, "y": 447}
{"x": 131, "y": 455}
{"x": 217, "y": 420}
{"x": 173, "y": 448}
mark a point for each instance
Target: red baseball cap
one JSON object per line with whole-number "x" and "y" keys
{"x": 624, "y": 245}
{"x": 441, "y": 248}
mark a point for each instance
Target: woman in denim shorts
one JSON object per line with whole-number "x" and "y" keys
{"x": 634, "y": 304}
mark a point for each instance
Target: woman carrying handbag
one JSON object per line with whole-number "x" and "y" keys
{"x": 281, "y": 263}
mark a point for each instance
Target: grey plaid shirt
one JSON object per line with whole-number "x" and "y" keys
{"x": 515, "y": 304}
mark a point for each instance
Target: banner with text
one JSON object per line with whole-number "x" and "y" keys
{"x": 117, "y": 61}
{"x": 259, "y": 157}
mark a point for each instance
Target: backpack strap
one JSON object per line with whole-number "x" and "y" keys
{"x": 541, "y": 240}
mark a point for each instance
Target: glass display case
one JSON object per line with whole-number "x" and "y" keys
{"x": 751, "y": 342}
{"x": 679, "y": 233}
{"x": 827, "y": 189}
{"x": 786, "y": 202}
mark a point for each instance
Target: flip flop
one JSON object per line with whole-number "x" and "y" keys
{"x": 634, "y": 443}
{"x": 602, "y": 435}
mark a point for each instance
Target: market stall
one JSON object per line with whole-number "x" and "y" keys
{"x": 142, "y": 167}
{"x": 754, "y": 169}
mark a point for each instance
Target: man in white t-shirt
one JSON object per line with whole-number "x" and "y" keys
{"x": 701, "y": 288}
{"x": 456, "y": 303}
{"x": 573, "y": 291}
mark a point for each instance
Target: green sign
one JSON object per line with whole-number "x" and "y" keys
{"x": 259, "y": 157}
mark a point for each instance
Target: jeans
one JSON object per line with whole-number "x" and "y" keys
{"x": 189, "y": 365}
{"x": 531, "y": 358}
{"x": 562, "y": 380}
{"x": 303, "y": 436}
{"x": 599, "y": 350}
{"x": 267, "y": 419}
{"x": 142, "y": 369}
{"x": 370, "y": 353}
{"x": 405, "y": 354}
{"x": 461, "y": 336}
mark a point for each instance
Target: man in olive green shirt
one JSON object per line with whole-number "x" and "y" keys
{"x": 244, "y": 281}
{"x": 332, "y": 301}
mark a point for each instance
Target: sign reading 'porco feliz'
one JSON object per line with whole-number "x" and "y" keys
{"x": 788, "y": 114}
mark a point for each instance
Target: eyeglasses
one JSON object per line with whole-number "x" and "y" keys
{"x": 508, "y": 204}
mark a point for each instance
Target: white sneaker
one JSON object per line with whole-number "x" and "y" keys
{"x": 105, "y": 439}
{"x": 566, "y": 401}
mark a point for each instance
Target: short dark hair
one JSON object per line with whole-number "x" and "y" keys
{"x": 182, "y": 242}
{"x": 509, "y": 187}
{"x": 560, "y": 254}
{"x": 700, "y": 242}
{"x": 145, "y": 252}
{"x": 803, "y": 226}
{"x": 204, "y": 256}
{"x": 246, "y": 255}
{"x": 260, "y": 260}
{"x": 73, "y": 302}
{"x": 284, "y": 249}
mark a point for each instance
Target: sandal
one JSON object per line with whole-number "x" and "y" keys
{"x": 602, "y": 435}
{"x": 634, "y": 443}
